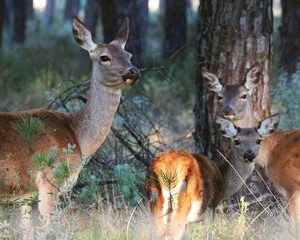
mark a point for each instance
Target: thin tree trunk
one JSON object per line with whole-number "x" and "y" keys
{"x": 234, "y": 35}
{"x": 48, "y": 15}
{"x": 137, "y": 11}
{"x": 29, "y": 9}
{"x": 71, "y": 8}
{"x": 2, "y": 17}
{"x": 91, "y": 15}
{"x": 175, "y": 26}
{"x": 20, "y": 17}
{"x": 290, "y": 35}
{"x": 109, "y": 19}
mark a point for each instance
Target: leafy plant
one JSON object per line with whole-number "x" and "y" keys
{"x": 61, "y": 172}
{"x": 44, "y": 159}
{"x": 128, "y": 182}
{"x": 29, "y": 128}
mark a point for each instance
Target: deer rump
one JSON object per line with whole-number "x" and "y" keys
{"x": 180, "y": 187}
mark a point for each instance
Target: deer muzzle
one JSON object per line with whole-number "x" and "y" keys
{"x": 132, "y": 76}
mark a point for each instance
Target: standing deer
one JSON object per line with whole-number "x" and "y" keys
{"x": 180, "y": 185}
{"x": 85, "y": 130}
{"x": 234, "y": 101}
{"x": 280, "y": 156}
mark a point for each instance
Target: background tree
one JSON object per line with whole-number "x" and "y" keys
{"x": 289, "y": 35}
{"x": 30, "y": 11}
{"x": 234, "y": 35}
{"x": 175, "y": 25}
{"x": 71, "y": 8}
{"x": 2, "y": 16}
{"x": 109, "y": 19}
{"x": 20, "y": 17}
{"x": 137, "y": 11}
{"x": 48, "y": 15}
{"x": 91, "y": 15}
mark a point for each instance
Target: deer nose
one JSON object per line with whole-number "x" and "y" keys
{"x": 133, "y": 74}
{"x": 227, "y": 110}
{"x": 249, "y": 155}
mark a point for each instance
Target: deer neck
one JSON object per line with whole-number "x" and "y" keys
{"x": 235, "y": 174}
{"x": 95, "y": 119}
{"x": 249, "y": 120}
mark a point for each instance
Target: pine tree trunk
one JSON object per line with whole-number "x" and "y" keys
{"x": 20, "y": 17}
{"x": 290, "y": 35}
{"x": 109, "y": 19}
{"x": 71, "y": 8}
{"x": 91, "y": 15}
{"x": 175, "y": 26}
{"x": 2, "y": 16}
{"x": 137, "y": 11}
{"x": 48, "y": 15}
{"x": 234, "y": 35}
{"x": 30, "y": 11}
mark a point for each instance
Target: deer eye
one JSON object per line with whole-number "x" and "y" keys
{"x": 104, "y": 58}
{"x": 237, "y": 142}
{"x": 258, "y": 141}
{"x": 244, "y": 96}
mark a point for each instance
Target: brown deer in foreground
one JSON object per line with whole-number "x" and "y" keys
{"x": 85, "y": 130}
{"x": 280, "y": 156}
{"x": 180, "y": 185}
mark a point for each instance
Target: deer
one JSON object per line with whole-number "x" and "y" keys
{"x": 279, "y": 155}
{"x": 180, "y": 185}
{"x": 85, "y": 129}
{"x": 234, "y": 101}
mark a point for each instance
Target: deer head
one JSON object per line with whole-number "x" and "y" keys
{"x": 247, "y": 140}
{"x": 233, "y": 99}
{"x": 111, "y": 60}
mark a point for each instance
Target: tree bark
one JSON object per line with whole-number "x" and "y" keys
{"x": 91, "y": 15}
{"x": 234, "y": 35}
{"x": 175, "y": 26}
{"x": 2, "y": 16}
{"x": 48, "y": 15}
{"x": 71, "y": 8}
{"x": 20, "y": 17}
{"x": 109, "y": 19}
{"x": 30, "y": 11}
{"x": 290, "y": 35}
{"x": 137, "y": 11}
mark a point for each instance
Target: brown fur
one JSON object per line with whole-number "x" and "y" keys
{"x": 279, "y": 154}
{"x": 200, "y": 176}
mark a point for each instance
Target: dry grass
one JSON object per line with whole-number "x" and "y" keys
{"x": 103, "y": 222}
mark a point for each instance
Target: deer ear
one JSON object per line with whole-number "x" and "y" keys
{"x": 227, "y": 128}
{"x": 269, "y": 125}
{"x": 252, "y": 79}
{"x": 212, "y": 80}
{"x": 122, "y": 35}
{"x": 82, "y": 35}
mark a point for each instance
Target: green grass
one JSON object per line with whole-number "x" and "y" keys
{"x": 28, "y": 128}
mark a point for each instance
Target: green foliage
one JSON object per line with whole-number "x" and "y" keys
{"x": 29, "y": 128}
{"x": 285, "y": 96}
{"x": 89, "y": 192}
{"x": 42, "y": 160}
{"x": 128, "y": 182}
{"x": 32, "y": 200}
{"x": 61, "y": 172}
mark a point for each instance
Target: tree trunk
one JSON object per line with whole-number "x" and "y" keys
{"x": 91, "y": 15}
{"x": 137, "y": 11}
{"x": 109, "y": 19}
{"x": 175, "y": 26}
{"x": 234, "y": 35}
{"x": 290, "y": 35}
{"x": 48, "y": 15}
{"x": 30, "y": 11}
{"x": 20, "y": 17}
{"x": 71, "y": 8}
{"x": 8, "y": 13}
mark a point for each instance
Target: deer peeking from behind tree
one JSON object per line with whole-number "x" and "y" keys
{"x": 38, "y": 145}
{"x": 181, "y": 186}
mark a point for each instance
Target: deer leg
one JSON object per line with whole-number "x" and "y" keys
{"x": 27, "y": 230}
